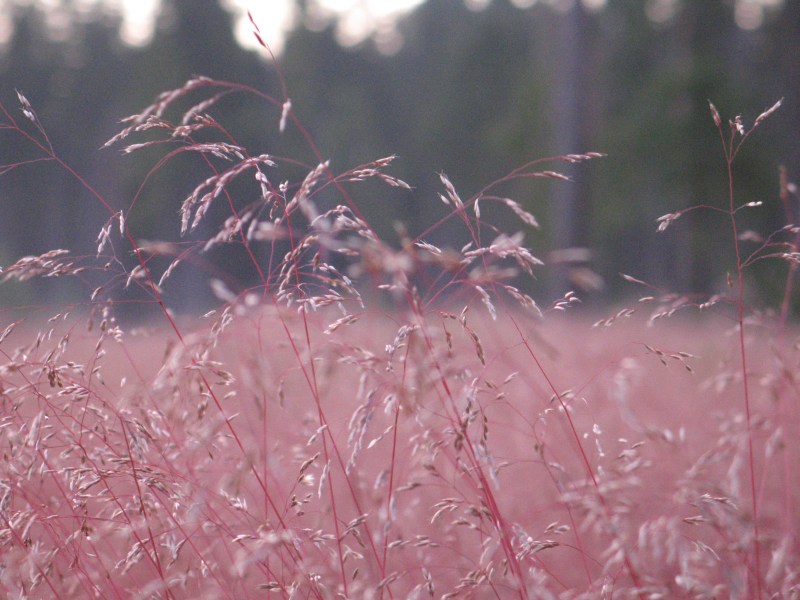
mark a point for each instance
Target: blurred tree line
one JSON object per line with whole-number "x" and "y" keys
{"x": 472, "y": 93}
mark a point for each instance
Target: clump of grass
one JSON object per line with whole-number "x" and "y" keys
{"x": 302, "y": 439}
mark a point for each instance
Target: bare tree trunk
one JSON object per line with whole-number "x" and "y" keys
{"x": 570, "y": 200}
{"x": 790, "y": 32}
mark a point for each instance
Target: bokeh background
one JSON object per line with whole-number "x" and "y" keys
{"x": 471, "y": 88}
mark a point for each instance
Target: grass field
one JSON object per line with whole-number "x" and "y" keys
{"x": 305, "y": 441}
{"x": 227, "y": 464}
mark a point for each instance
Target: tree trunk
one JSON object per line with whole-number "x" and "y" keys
{"x": 570, "y": 108}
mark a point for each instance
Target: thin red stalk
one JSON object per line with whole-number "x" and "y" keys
{"x": 152, "y": 558}
{"x": 265, "y": 445}
{"x": 21, "y": 543}
{"x": 485, "y": 486}
{"x": 235, "y": 436}
{"x": 585, "y": 459}
{"x": 143, "y": 509}
{"x": 241, "y": 447}
{"x": 77, "y": 518}
{"x": 310, "y": 380}
{"x": 97, "y": 470}
{"x": 323, "y": 423}
{"x": 50, "y": 153}
{"x": 789, "y": 218}
{"x": 154, "y": 289}
{"x": 393, "y": 464}
{"x": 175, "y": 441}
{"x": 743, "y": 357}
{"x": 788, "y": 215}
{"x": 787, "y": 293}
{"x": 731, "y": 150}
{"x": 166, "y": 510}
{"x": 261, "y": 481}
{"x": 393, "y": 460}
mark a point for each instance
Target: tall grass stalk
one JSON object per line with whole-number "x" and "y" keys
{"x": 731, "y": 145}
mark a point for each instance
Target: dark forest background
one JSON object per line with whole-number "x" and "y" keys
{"x": 470, "y": 93}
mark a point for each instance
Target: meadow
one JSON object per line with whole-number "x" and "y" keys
{"x": 377, "y": 420}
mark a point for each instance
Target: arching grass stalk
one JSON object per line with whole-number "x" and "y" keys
{"x": 732, "y": 141}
